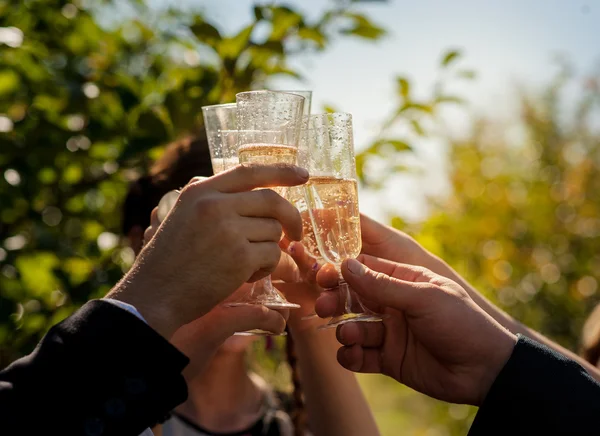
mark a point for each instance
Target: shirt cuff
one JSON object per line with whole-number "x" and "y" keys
{"x": 126, "y": 306}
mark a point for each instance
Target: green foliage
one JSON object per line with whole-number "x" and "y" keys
{"x": 83, "y": 108}
{"x": 521, "y": 224}
{"x": 412, "y": 118}
{"x": 523, "y": 221}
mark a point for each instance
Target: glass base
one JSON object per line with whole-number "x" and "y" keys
{"x": 270, "y": 304}
{"x": 266, "y": 295}
{"x": 273, "y": 301}
{"x": 350, "y": 317}
{"x": 259, "y": 332}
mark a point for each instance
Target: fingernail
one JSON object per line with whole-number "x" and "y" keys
{"x": 302, "y": 172}
{"x": 292, "y": 248}
{"x": 356, "y": 268}
{"x": 315, "y": 266}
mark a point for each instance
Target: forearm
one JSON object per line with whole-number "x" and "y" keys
{"x": 100, "y": 357}
{"x": 539, "y": 392}
{"x": 334, "y": 399}
{"x": 438, "y": 266}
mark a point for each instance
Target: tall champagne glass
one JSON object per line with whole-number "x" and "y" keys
{"x": 220, "y": 122}
{"x": 332, "y": 196}
{"x": 269, "y": 125}
{"x": 296, "y": 194}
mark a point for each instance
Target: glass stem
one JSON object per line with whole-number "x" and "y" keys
{"x": 345, "y": 290}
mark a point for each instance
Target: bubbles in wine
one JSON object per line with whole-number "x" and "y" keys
{"x": 333, "y": 205}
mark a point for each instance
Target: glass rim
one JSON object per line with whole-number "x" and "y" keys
{"x": 348, "y": 114}
{"x": 266, "y": 91}
{"x": 220, "y": 105}
{"x": 293, "y": 91}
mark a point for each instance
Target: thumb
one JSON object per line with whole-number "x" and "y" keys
{"x": 379, "y": 287}
{"x": 242, "y": 318}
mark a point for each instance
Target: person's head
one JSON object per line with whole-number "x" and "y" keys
{"x": 590, "y": 341}
{"x": 181, "y": 161}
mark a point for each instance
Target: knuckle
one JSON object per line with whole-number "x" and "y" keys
{"x": 380, "y": 278}
{"x": 271, "y": 198}
{"x": 382, "y": 282}
{"x": 264, "y": 314}
{"x": 273, "y": 254}
{"x": 276, "y": 229}
{"x": 210, "y": 206}
{"x": 242, "y": 255}
{"x": 149, "y": 233}
{"x": 192, "y": 189}
{"x": 195, "y": 179}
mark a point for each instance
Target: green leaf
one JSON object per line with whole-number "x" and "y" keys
{"x": 270, "y": 47}
{"x": 363, "y": 27}
{"x": 283, "y": 20}
{"x": 403, "y": 87}
{"x": 231, "y": 48}
{"x": 450, "y": 57}
{"x": 396, "y": 143}
{"x": 206, "y": 33}
{"x": 467, "y": 74}
{"x": 72, "y": 174}
{"x": 313, "y": 34}
{"x": 9, "y": 82}
{"x": 417, "y": 127}
{"x": 449, "y": 99}
{"x": 258, "y": 13}
{"x": 417, "y": 106}
{"x": 329, "y": 109}
{"x": 36, "y": 272}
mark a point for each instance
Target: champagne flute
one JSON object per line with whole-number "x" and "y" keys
{"x": 220, "y": 122}
{"x": 297, "y": 196}
{"x": 269, "y": 125}
{"x": 332, "y": 196}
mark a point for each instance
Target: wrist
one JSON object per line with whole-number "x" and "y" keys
{"x": 156, "y": 313}
{"x": 493, "y": 365}
{"x": 311, "y": 338}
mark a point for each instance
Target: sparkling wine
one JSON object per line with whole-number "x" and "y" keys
{"x": 333, "y": 205}
{"x": 267, "y": 154}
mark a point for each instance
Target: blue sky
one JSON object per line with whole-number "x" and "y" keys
{"x": 504, "y": 41}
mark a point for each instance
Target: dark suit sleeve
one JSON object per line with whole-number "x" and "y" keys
{"x": 540, "y": 392}
{"x": 100, "y": 372}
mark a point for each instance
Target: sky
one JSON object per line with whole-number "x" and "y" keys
{"x": 507, "y": 42}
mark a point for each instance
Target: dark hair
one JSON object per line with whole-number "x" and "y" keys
{"x": 590, "y": 341}
{"x": 298, "y": 413}
{"x": 181, "y": 161}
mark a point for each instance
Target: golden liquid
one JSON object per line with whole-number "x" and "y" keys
{"x": 267, "y": 154}
{"x": 333, "y": 205}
